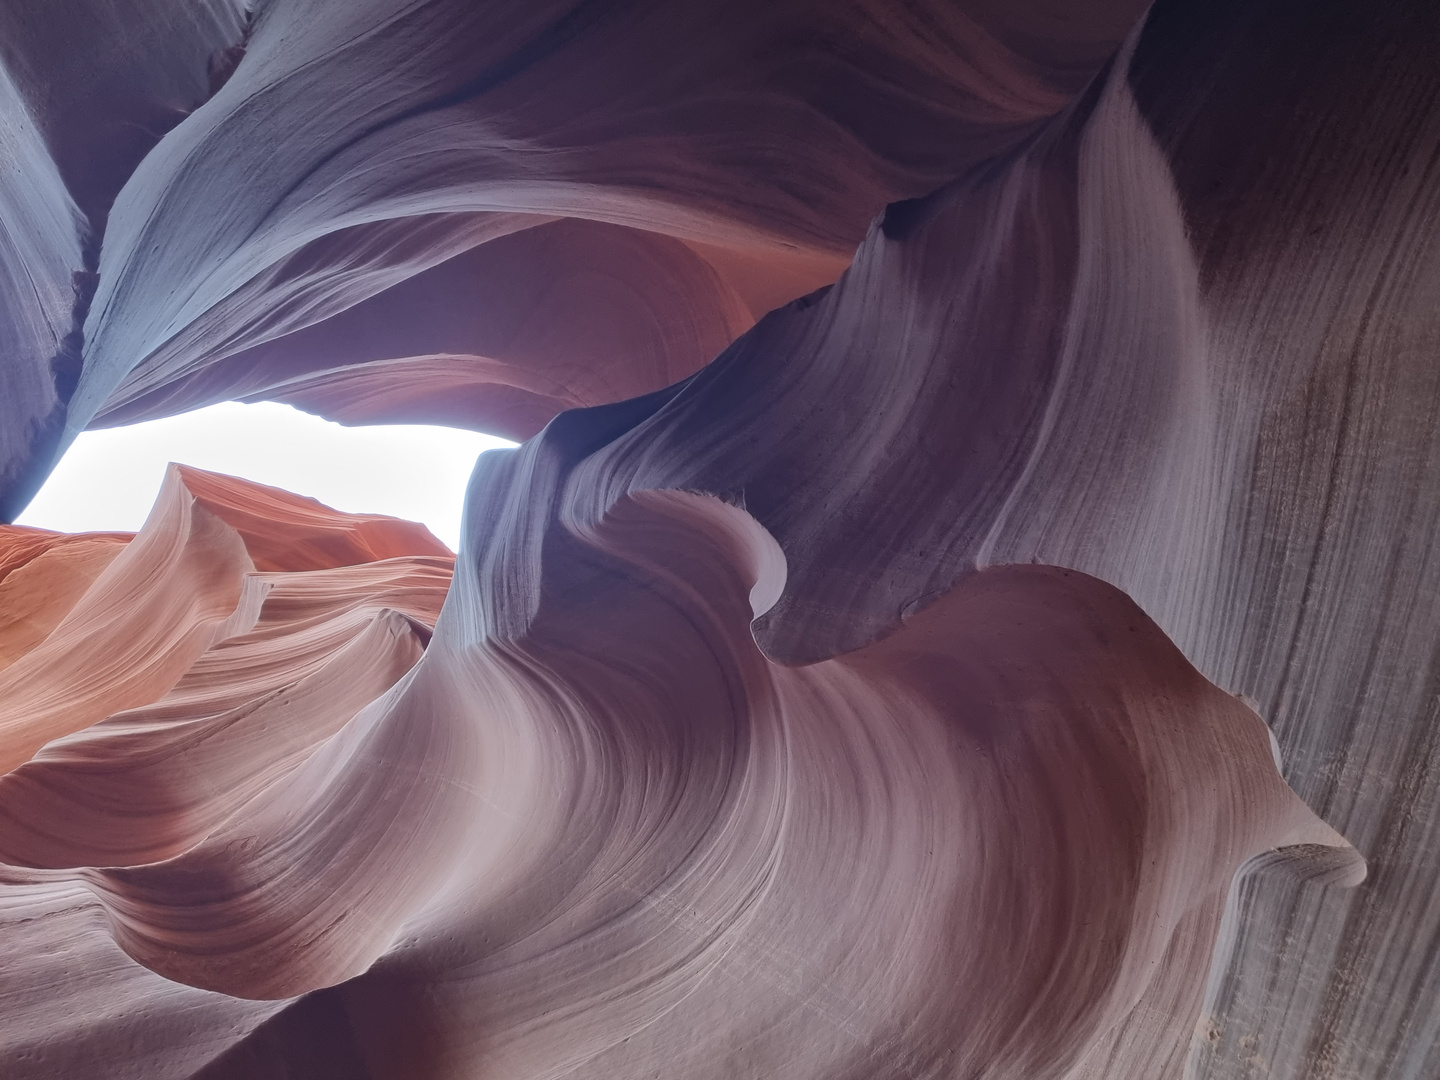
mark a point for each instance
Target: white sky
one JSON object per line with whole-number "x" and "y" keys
{"x": 109, "y": 478}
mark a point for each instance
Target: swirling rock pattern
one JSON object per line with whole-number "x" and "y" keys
{"x": 950, "y": 428}
{"x": 567, "y": 844}
{"x": 494, "y": 119}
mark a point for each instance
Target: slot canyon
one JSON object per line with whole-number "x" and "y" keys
{"x": 965, "y": 602}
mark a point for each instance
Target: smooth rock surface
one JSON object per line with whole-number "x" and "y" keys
{"x": 950, "y": 430}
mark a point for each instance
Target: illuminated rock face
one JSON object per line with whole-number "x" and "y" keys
{"x": 578, "y": 203}
{"x": 172, "y": 679}
{"x": 859, "y": 670}
{"x": 588, "y": 823}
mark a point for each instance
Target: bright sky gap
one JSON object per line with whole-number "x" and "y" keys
{"x": 109, "y": 478}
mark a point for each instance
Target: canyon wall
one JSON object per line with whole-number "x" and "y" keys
{"x": 953, "y": 433}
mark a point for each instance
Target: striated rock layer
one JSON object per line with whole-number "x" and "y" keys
{"x": 594, "y": 826}
{"x": 174, "y": 690}
{"x": 574, "y": 203}
{"x": 859, "y": 671}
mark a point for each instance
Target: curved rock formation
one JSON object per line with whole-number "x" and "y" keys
{"x": 845, "y": 678}
{"x": 42, "y": 575}
{"x": 240, "y": 673}
{"x": 609, "y": 811}
{"x": 736, "y": 158}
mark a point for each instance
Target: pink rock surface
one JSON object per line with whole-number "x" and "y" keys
{"x": 618, "y": 837}
{"x": 950, "y": 430}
